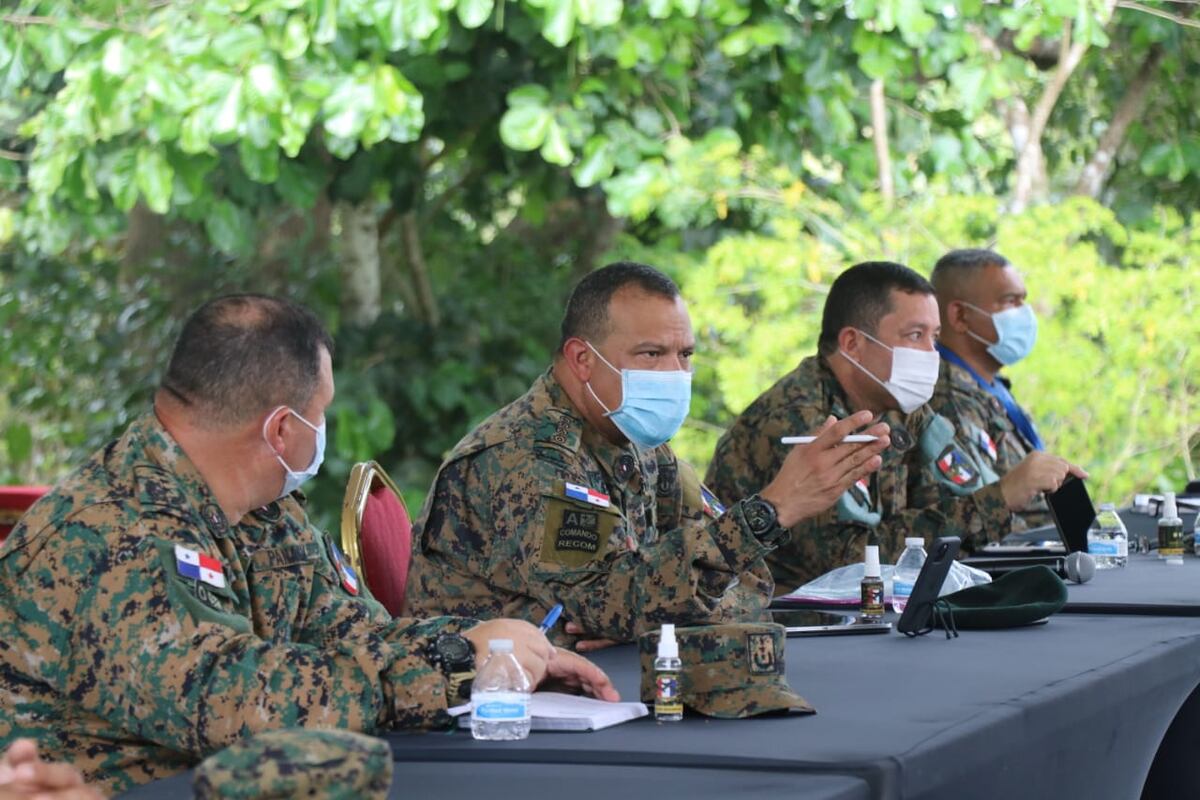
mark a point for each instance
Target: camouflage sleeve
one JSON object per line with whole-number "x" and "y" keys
{"x": 175, "y": 661}
{"x": 979, "y": 517}
{"x": 519, "y": 530}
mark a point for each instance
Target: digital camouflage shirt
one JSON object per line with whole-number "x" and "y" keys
{"x": 983, "y": 425}
{"x": 140, "y": 632}
{"x": 928, "y": 486}
{"x": 535, "y": 507}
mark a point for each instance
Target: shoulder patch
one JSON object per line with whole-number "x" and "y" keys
{"x": 712, "y": 506}
{"x": 986, "y": 445}
{"x": 956, "y": 468}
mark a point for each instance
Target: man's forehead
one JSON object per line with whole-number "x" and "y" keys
{"x": 638, "y": 315}
{"x": 909, "y": 308}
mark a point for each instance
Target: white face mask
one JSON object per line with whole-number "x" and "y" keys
{"x": 914, "y": 374}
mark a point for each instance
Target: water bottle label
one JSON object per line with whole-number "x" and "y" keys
{"x": 1109, "y": 548}
{"x": 502, "y": 707}
{"x": 901, "y": 588}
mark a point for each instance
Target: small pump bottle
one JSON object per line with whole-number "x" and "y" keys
{"x": 872, "y": 587}
{"x": 1170, "y": 532}
{"x": 668, "y": 705}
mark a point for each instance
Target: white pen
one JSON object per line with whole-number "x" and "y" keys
{"x": 854, "y": 438}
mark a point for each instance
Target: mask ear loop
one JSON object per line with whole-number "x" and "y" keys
{"x": 607, "y": 411}
{"x": 975, "y": 335}
{"x": 267, "y": 422}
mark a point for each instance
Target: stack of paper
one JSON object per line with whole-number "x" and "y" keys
{"x": 554, "y": 711}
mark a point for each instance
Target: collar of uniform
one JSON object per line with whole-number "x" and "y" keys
{"x": 559, "y": 422}
{"x": 166, "y": 477}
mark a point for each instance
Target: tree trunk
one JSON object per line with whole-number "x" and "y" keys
{"x": 1133, "y": 102}
{"x": 414, "y": 257}
{"x": 1031, "y": 163}
{"x": 359, "y": 263}
{"x": 879, "y": 133}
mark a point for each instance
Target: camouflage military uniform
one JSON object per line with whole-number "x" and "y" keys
{"x": 983, "y": 425}
{"x": 926, "y": 487}
{"x": 113, "y": 659}
{"x": 534, "y": 507}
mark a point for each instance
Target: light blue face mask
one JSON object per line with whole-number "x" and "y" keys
{"x": 654, "y": 403}
{"x": 293, "y": 479}
{"x": 1016, "y": 332}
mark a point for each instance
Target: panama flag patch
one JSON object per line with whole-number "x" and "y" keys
{"x": 197, "y": 566}
{"x": 577, "y": 492}
{"x": 953, "y": 465}
{"x": 711, "y": 504}
{"x": 987, "y": 445}
{"x": 348, "y": 576}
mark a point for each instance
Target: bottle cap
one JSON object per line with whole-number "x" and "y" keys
{"x": 914, "y": 541}
{"x": 1170, "y": 510}
{"x": 667, "y": 646}
{"x": 871, "y": 562}
{"x": 1108, "y": 507}
{"x": 500, "y": 645}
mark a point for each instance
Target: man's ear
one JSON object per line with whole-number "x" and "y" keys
{"x": 273, "y": 428}
{"x": 956, "y": 316}
{"x": 851, "y": 342}
{"x": 579, "y": 358}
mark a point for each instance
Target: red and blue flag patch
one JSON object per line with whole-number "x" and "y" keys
{"x": 586, "y": 495}
{"x": 200, "y": 567}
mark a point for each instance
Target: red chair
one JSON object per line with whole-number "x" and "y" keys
{"x": 377, "y": 534}
{"x": 14, "y": 500}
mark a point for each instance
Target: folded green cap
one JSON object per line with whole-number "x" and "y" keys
{"x": 729, "y": 671}
{"x": 334, "y": 765}
{"x": 1017, "y": 598}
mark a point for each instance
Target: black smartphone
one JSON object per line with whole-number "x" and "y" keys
{"x": 1073, "y": 513}
{"x": 925, "y": 591}
{"x": 824, "y": 623}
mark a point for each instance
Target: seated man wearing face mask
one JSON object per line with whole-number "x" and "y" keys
{"x": 986, "y": 325}
{"x": 875, "y": 353}
{"x": 572, "y": 495}
{"x": 170, "y": 597}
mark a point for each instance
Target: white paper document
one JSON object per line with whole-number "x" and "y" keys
{"x": 554, "y": 711}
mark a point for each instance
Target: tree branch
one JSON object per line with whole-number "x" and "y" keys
{"x": 879, "y": 134}
{"x": 1132, "y": 103}
{"x": 1158, "y": 12}
{"x": 410, "y": 234}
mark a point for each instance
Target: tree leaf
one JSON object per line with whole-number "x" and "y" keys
{"x": 524, "y": 127}
{"x": 154, "y": 178}
{"x": 556, "y": 149}
{"x": 473, "y": 13}
{"x": 229, "y": 228}
{"x": 18, "y": 440}
{"x": 559, "y": 23}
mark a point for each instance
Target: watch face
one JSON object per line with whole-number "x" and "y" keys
{"x": 454, "y": 649}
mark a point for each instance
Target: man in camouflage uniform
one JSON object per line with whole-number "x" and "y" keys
{"x": 170, "y": 597}
{"x": 876, "y": 352}
{"x": 571, "y": 495}
{"x": 986, "y": 325}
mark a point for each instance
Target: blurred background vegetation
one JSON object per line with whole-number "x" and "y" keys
{"x": 432, "y": 176}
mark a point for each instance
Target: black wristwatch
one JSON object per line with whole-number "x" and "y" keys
{"x": 763, "y": 521}
{"x": 454, "y": 655}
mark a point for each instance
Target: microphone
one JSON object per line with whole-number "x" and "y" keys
{"x": 1080, "y": 567}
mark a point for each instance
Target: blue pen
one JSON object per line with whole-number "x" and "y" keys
{"x": 551, "y": 618}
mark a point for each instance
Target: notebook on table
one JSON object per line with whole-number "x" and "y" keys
{"x": 554, "y": 711}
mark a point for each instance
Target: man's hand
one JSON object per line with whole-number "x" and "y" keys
{"x": 571, "y": 671}
{"x": 24, "y": 775}
{"x": 1037, "y": 472}
{"x": 532, "y": 649}
{"x": 814, "y": 476}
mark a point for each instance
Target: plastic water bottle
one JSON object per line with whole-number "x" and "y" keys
{"x": 500, "y": 696}
{"x": 908, "y": 567}
{"x": 1108, "y": 541}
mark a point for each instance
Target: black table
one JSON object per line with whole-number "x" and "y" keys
{"x": 1146, "y": 586}
{"x": 1074, "y": 708}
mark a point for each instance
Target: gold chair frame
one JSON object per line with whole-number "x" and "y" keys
{"x": 363, "y": 477}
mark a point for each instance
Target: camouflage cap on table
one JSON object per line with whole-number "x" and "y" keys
{"x": 729, "y": 671}
{"x": 335, "y": 765}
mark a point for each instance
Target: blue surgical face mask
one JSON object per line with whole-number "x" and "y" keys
{"x": 1016, "y": 332}
{"x": 654, "y": 403}
{"x": 293, "y": 479}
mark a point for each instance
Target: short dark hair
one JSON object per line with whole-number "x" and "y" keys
{"x": 952, "y": 270}
{"x": 587, "y": 309}
{"x": 240, "y": 355}
{"x": 861, "y": 296}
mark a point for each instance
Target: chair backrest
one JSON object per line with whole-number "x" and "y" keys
{"x": 377, "y": 534}
{"x": 14, "y": 500}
